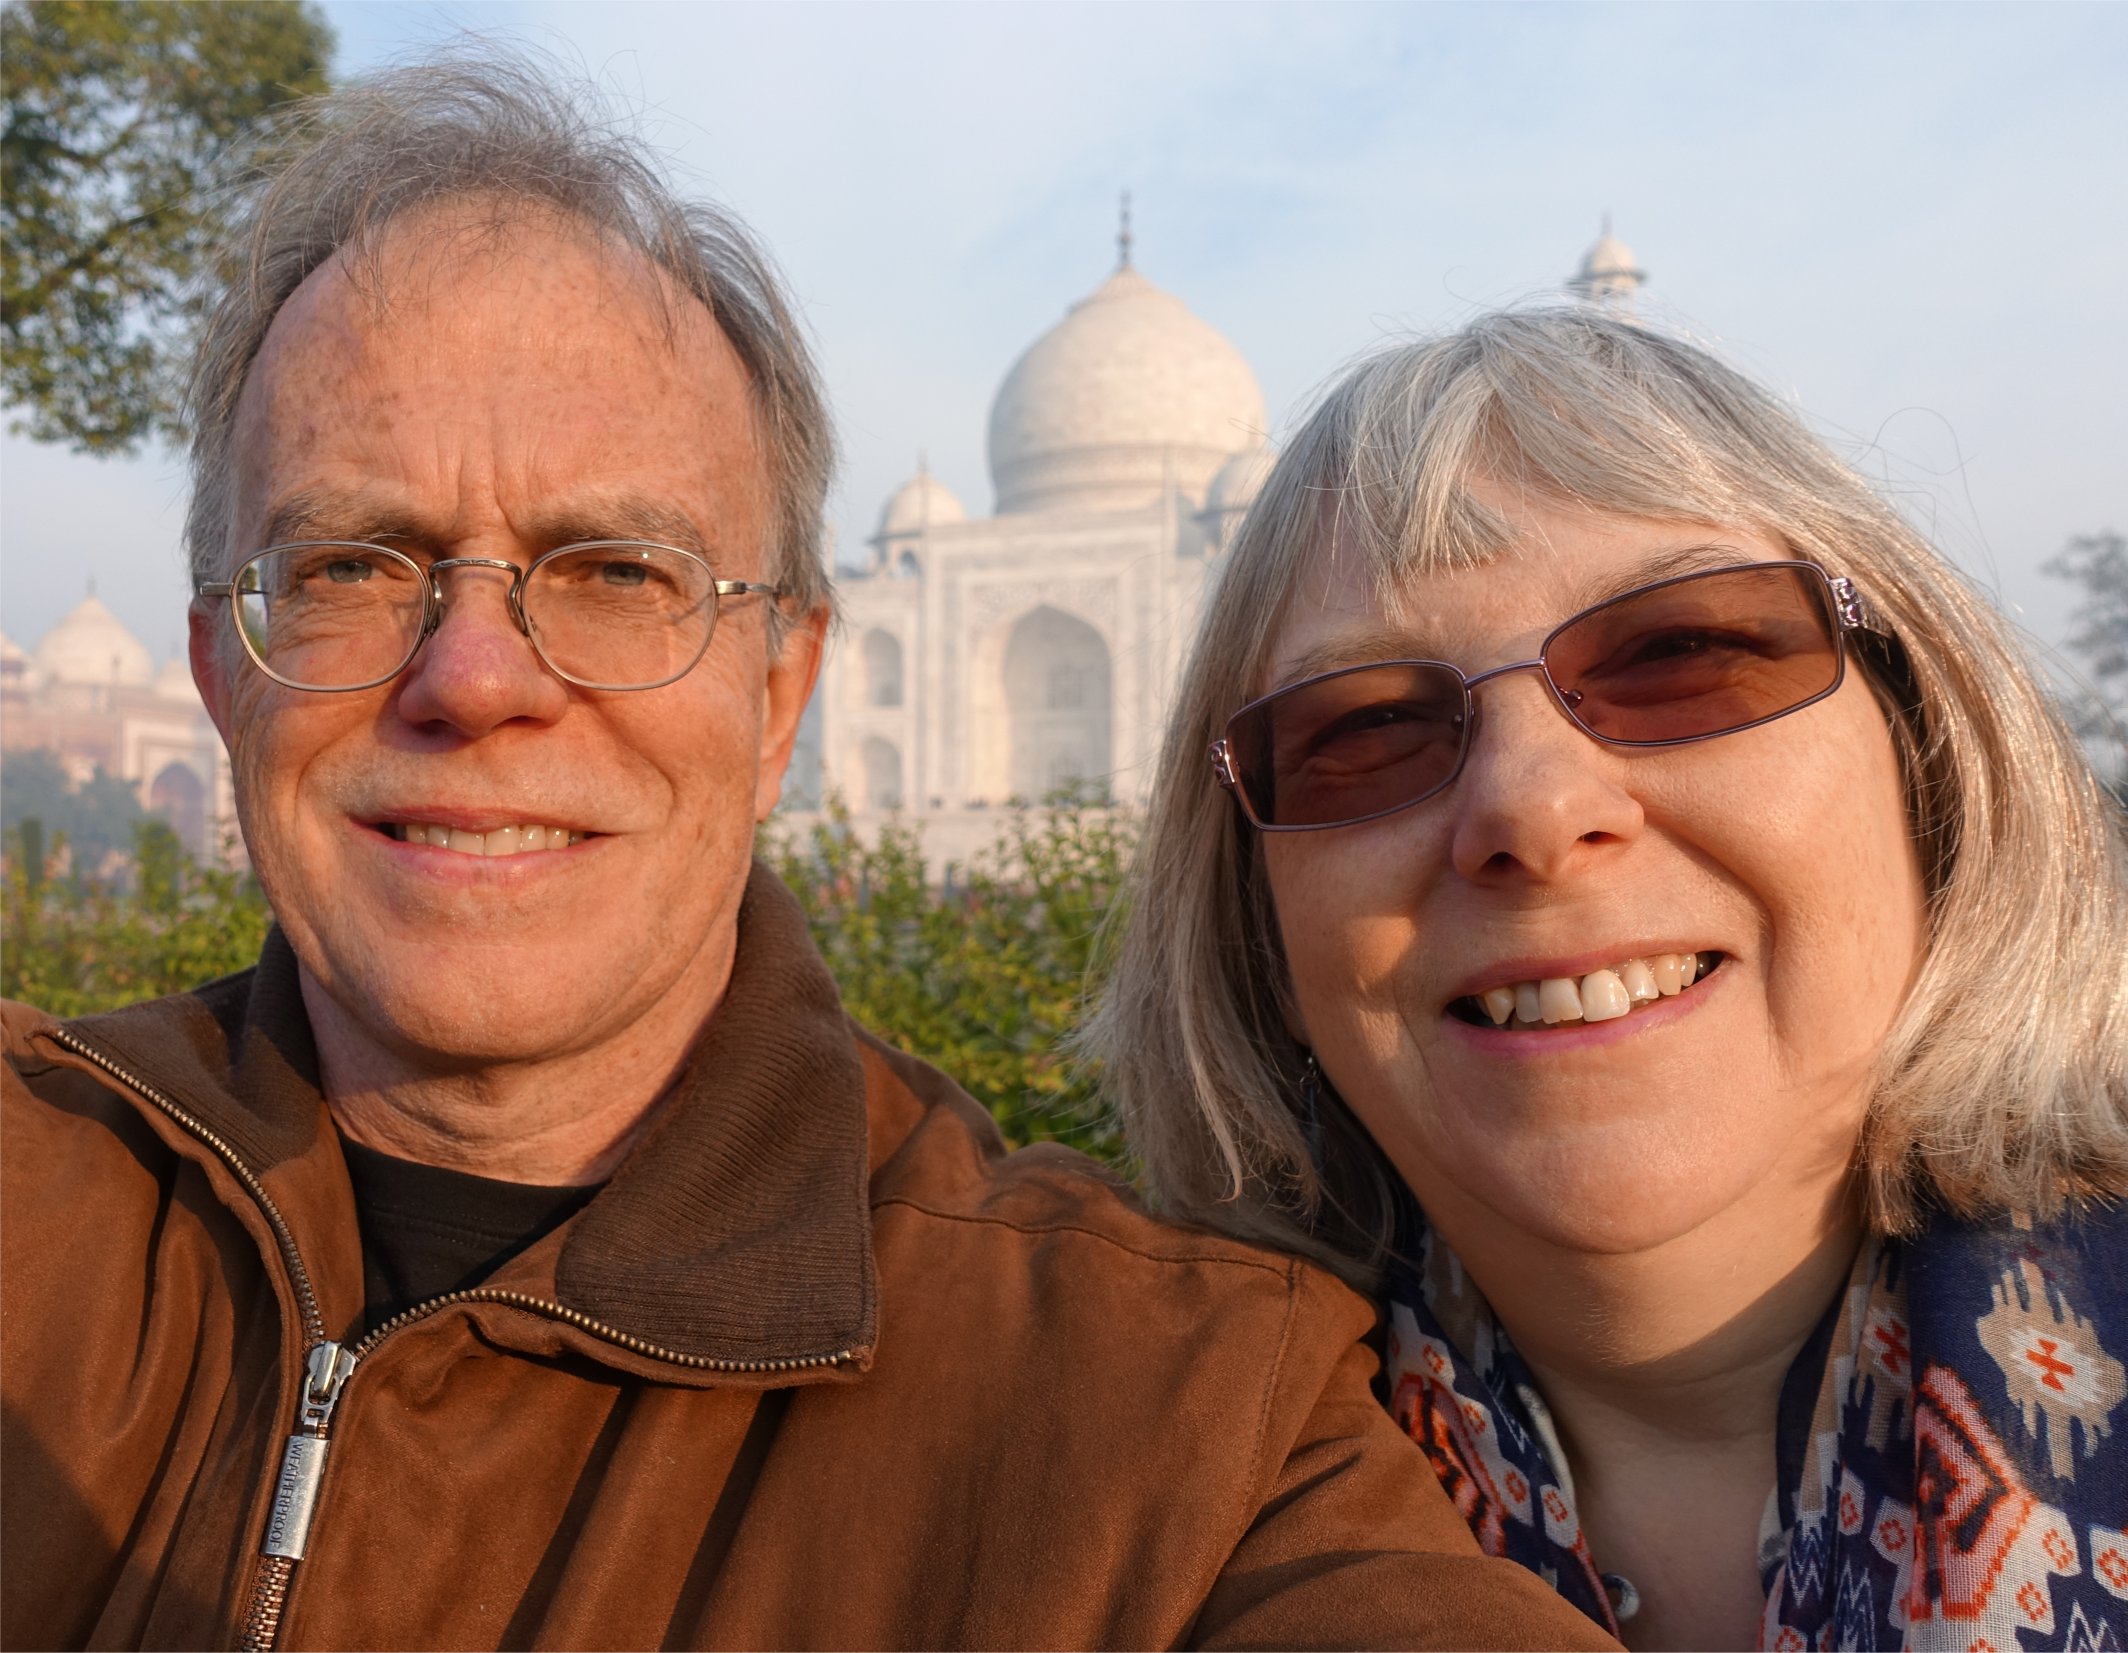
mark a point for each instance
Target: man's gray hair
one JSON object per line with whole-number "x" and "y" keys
{"x": 485, "y": 126}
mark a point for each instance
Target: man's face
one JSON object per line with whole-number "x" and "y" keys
{"x": 495, "y": 397}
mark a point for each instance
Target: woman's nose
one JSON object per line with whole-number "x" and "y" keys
{"x": 478, "y": 669}
{"x": 1536, "y": 795}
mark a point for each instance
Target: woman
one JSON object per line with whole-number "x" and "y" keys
{"x": 1641, "y": 918}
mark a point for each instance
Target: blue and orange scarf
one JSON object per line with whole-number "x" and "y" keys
{"x": 1953, "y": 1444}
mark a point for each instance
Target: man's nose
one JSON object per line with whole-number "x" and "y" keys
{"x": 478, "y": 669}
{"x": 1537, "y": 795}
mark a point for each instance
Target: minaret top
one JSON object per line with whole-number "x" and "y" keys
{"x": 1609, "y": 273}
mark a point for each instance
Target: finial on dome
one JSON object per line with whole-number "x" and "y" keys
{"x": 923, "y": 462}
{"x": 1123, "y": 235}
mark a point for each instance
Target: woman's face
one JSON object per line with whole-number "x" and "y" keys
{"x": 1782, "y": 849}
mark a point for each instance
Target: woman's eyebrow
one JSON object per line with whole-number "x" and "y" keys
{"x": 1361, "y": 647}
{"x": 1659, "y": 566}
{"x": 1367, "y": 645}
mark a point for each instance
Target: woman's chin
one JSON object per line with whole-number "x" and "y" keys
{"x": 1615, "y": 1198}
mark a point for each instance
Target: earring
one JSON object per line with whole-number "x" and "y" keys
{"x": 1311, "y": 1110}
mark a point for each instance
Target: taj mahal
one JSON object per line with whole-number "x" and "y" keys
{"x": 998, "y": 660}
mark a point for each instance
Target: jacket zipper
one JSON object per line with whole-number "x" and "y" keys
{"x": 328, "y": 1365}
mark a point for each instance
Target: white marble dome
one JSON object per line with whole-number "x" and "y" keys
{"x": 919, "y": 503}
{"x": 1610, "y": 256}
{"x": 17, "y": 669}
{"x": 91, "y": 646}
{"x": 1608, "y": 270}
{"x": 1128, "y": 392}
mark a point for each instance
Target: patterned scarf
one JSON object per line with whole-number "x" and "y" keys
{"x": 1950, "y": 1475}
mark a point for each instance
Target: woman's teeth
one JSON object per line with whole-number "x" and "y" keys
{"x": 509, "y": 840}
{"x": 1599, "y": 996}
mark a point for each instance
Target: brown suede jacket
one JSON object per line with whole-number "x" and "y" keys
{"x": 822, "y": 1366}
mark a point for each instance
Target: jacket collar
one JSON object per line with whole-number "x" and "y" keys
{"x": 737, "y": 1230}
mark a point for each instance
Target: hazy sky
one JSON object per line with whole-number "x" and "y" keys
{"x": 1908, "y": 219}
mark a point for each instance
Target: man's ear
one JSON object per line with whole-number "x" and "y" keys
{"x": 206, "y": 642}
{"x": 791, "y": 676}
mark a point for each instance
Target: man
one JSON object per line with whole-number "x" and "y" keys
{"x": 529, "y": 1250}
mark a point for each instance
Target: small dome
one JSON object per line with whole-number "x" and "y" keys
{"x": 91, "y": 646}
{"x": 174, "y": 681}
{"x": 1609, "y": 272}
{"x": 1609, "y": 257}
{"x": 1238, "y": 481}
{"x": 919, "y": 503}
{"x": 17, "y": 669}
{"x": 1130, "y": 393}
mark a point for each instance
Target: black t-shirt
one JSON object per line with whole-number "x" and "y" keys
{"x": 427, "y": 1231}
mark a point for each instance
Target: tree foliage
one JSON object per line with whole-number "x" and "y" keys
{"x": 77, "y": 944}
{"x": 2098, "y": 565}
{"x": 118, "y": 113}
{"x": 96, "y": 818}
{"x": 984, "y": 974}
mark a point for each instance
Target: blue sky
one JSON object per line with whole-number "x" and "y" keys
{"x": 1908, "y": 219}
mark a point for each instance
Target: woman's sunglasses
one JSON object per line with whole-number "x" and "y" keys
{"x": 1681, "y": 660}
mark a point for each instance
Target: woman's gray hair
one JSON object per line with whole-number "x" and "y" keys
{"x": 2002, "y": 1083}
{"x": 482, "y": 126}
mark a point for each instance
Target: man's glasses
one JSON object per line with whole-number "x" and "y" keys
{"x": 606, "y": 614}
{"x": 1681, "y": 660}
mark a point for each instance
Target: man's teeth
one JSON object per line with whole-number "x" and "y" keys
{"x": 509, "y": 840}
{"x": 1599, "y": 996}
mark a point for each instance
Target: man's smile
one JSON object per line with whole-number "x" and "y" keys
{"x": 492, "y": 841}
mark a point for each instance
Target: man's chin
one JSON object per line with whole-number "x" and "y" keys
{"x": 455, "y": 1001}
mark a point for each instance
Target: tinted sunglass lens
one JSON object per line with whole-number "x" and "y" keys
{"x": 1348, "y": 746}
{"x": 1698, "y": 656}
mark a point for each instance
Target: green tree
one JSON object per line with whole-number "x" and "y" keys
{"x": 2097, "y": 564}
{"x": 96, "y": 818}
{"x": 118, "y": 113}
{"x": 986, "y": 971}
{"x": 80, "y": 944}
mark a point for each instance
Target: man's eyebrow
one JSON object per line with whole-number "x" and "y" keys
{"x": 342, "y": 514}
{"x": 337, "y": 514}
{"x": 617, "y": 517}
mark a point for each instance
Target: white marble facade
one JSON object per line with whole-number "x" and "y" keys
{"x": 987, "y": 661}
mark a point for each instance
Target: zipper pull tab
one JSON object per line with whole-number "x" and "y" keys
{"x": 295, "y": 1495}
{"x": 326, "y": 1369}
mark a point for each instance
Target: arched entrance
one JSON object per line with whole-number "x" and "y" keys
{"x": 1057, "y": 699}
{"x": 179, "y": 796}
{"x": 882, "y": 668}
{"x": 881, "y": 762}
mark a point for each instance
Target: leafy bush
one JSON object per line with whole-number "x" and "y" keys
{"x": 78, "y": 944}
{"x": 984, "y": 974}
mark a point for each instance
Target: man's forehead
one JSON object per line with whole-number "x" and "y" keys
{"x": 463, "y": 366}
{"x": 423, "y": 257}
